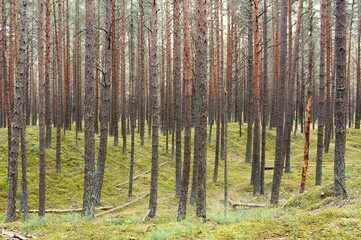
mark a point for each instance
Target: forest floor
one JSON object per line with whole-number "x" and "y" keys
{"x": 312, "y": 215}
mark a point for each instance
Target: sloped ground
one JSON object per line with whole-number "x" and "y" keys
{"x": 314, "y": 215}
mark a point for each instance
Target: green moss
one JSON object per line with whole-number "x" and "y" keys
{"x": 310, "y": 215}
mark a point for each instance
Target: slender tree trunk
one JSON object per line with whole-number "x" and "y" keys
{"x": 215, "y": 173}
{"x": 124, "y": 97}
{"x": 201, "y": 76}
{"x": 105, "y": 104}
{"x": 307, "y": 145}
{"x": 48, "y": 117}
{"x": 187, "y": 75}
{"x": 265, "y": 97}
{"x": 340, "y": 115}
{"x": 41, "y": 111}
{"x": 321, "y": 103}
{"x": 358, "y": 81}
{"x": 348, "y": 77}
{"x": 141, "y": 72}
{"x": 154, "y": 91}
{"x": 250, "y": 84}
{"x": 256, "y": 92}
{"x": 328, "y": 116}
{"x": 59, "y": 109}
{"x": 278, "y": 165}
{"x": 177, "y": 93}
{"x": 132, "y": 102}
{"x": 290, "y": 102}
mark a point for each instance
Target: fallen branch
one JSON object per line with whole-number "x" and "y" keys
{"x": 138, "y": 176}
{"x": 145, "y": 217}
{"x": 13, "y": 235}
{"x": 339, "y": 183}
{"x": 66, "y": 210}
{"x": 122, "y": 206}
{"x": 235, "y": 204}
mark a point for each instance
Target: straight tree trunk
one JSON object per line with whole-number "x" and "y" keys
{"x": 265, "y": 97}
{"x": 89, "y": 104}
{"x": 278, "y": 165}
{"x": 187, "y": 75}
{"x": 177, "y": 92}
{"x": 105, "y": 105}
{"x": 340, "y": 115}
{"x": 154, "y": 91}
{"x": 348, "y": 77}
{"x": 48, "y": 116}
{"x": 256, "y": 92}
{"x": 132, "y": 101}
{"x": 358, "y": 71}
{"x": 17, "y": 122}
{"x": 290, "y": 102}
{"x": 215, "y": 173}
{"x": 201, "y": 76}
{"x": 115, "y": 82}
{"x": 59, "y": 108}
{"x": 250, "y": 84}
{"x": 41, "y": 111}
{"x": 321, "y": 103}
{"x": 141, "y": 72}
{"x": 124, "y": 97}
{"x": 328, "y": 116}
{"x": 307, "y": 146}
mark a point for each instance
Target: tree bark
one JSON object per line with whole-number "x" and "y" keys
{"x": 187, "y": 75}
{"x": 278, "y": 165}
{"x": 201, "y": 76}
{"x": 154, "y": 91}
{"x": 89, "y": 104}
{"x": 340, "y": 115}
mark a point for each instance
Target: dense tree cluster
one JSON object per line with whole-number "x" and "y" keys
{"x": 173, "y": 65}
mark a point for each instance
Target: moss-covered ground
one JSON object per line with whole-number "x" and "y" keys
{"x": 312, "y": 215}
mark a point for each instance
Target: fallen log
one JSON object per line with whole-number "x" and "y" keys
{"x": 236, "y": 204}
{"x": 66, "y": 210}
{"x": 122, "y": 206}
{"x": 138, "y": 176}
